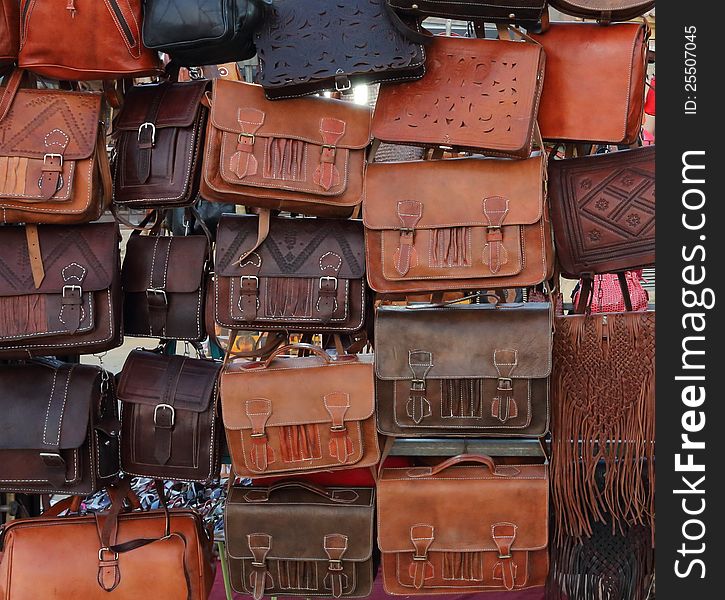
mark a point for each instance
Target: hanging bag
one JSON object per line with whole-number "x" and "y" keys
{"x": 9, "y": 32}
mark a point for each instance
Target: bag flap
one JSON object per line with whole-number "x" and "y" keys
{"x": 177, "y": 107}
{"x": 603, "y": 6}
{"x": 469, "y": 181}
{"x": 84, "y": 255}
{"x": 44, "y": 122}
{"x": 298, "y": 521}
{"x": 297, "y": 118}
{"x": 151, "y": 378}
{"x": 462, "y": 504}
{"x": 182, "y": 258}
{"x": 465, "y": 341}
{"x": 295, "y": 400}
{"x": 165, "y": 25}
{"x": 293, "y": 248}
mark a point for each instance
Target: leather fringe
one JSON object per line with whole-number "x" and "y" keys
{"x": 289, "y": 297}
{"x": 462, "y": 398}
{"x": 284, "y": 160}
{"x": 297, "y": 575}
{"x": 300, "y": 442}
{"x": 450, "y": 247}
{"x": 463, "y": 566}
{"x": 23, "y": 315}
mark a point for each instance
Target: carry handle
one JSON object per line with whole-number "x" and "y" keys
{"x": 481, "y": 459}
{"x": 345, "y": 496}
{"x": 300, "y": 346}
{"x": 12, "y": 85}
{"x": 446, "y": 303}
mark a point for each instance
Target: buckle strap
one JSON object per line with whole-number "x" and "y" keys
{"x": 421, "y": 569}
{"x": 328, "y": 283}
{"x": 249, "y": 286}
{"x": 409, "y": 213}
{"x": 157, "y": 301}
{"x": 337, "y": 405}
{"x": 243, "y": 162}
{"x": 146, "y": 135}
{"x": 503, "y": 535}
{"x": 495, "y": 209}
{"x": 260, "y": 578}
{"x": 335, "y": 545}
{"x": 258, "y": 411}
{"x": 53, "y": 429}
{"x": 51, "y": 178}
{"x": 165, "y": 413}
{"x": 327, "y": 174}
{"x": 503, "y": 405}
{"x": 418, "y": 406}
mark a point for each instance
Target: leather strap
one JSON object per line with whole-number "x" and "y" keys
{"x": 263, "y": 222}
{"x": 337, "y": 404}
{"x": 622, "y": 278}
{"x": 165, "y": 412}
{"x": 409, "y": 212}
{"x": 503, "y": 406}
{"x": 421, "y": 36}
{"x": 244, "y": 163}
{"x": 258, "y": 411}
{"x": 335, "y": 545}
{"x": 156, "y": 296}
{"x": 104, "y": 167}
{"x": 260, "y": 579}
{"x": 12, "y": 85}
{"x": 418, "y": 407}
{"x": 146, "y": 138}
{"x": 326, "y": 305}
{"x": 495, "y": 209}
{"x": 35, "y": 255}
{"x": 585, "y": 295}
{"x": 52, "y": 432}
{"x": 421, "y": 536}
{"x": 327, "y": 175}
{"x": 123, "y": 9}
{"x": 504, "y": 535}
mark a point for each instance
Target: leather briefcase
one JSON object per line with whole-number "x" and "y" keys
{"x": 59, "y": 431}
{"x": 277, "y": 423}
{"x": 9, "y": 32}
{"x": 583, "y": 103}
{"x": 605, "y": 11}
{"x": 170, "y": 423}
{"x": 53, "y": 162}
{"x": 477, "y": 95}
{"x": 451, "y": 529}
{"x": 298, "y": 539}
{"x": 306, "y": 274}
{"x": 60, "y": 290}
{"x": 316, "y": 45}
{"x": 463, "y": 370}
{"x": 492, "y": 231}
{"x": 522, "y": 12}
{"x": 305, "y": 155}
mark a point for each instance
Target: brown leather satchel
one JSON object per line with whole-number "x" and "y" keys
{"x": 582, "y": 103}
{"x": 9, "y": 32}
{"x": 450, "y": 529}
{"x": 605, "y": 11}
{"x": 477, "y": 95}
{"x": 296, "y": 538}
{"x": 492, "y": 230}
{"x": 59, "y": 432}
{"x": 303, "y": 275}
{"x": 305, "y": 155}
{"x": 171, "y": 426}
{"x": 53, "y": 161}
{"x": 463, "y": 370}
{"x": 523, "y": 12}
{"x": 277, "y": 423}
{"x": 79, "y": 40}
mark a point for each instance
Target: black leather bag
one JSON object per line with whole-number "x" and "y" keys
{"x": 521, "y": 12}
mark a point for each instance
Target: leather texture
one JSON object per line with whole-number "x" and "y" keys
{"x": 170, "y": 423}
{"x": 604, "y": 10}
{"x": 307, "y": 275}
{"x": 478, "y": 95}
{"x": 9, "y": 32}
{"x": 298, "y": 539}
{"x": 464, "y": 370}
{"x": 497, "y": 11}
{"x": 59, "y": 431}
{"x": 265, "y": 154}
{"x": 75, "y": 308}
{"x": 492, "y": 231}
{"x": 457, "y": 528}
{"x": 594, "y": 86}
{"x": 307, "y": 47}
{"x": 603, "y": 211}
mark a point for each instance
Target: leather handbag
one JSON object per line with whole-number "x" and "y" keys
{"x": 9, "y": 32}
{"x": 60, "y": 290}
{"x": 477, "y": 95}
{"x": 463, "y": 369}
{"x": 203, "y": 32}
{"x": 521, "y": 12}
{"x": 316, "y": 45}
{"x": 81, "y": 40}
{"x": 170, "y": 423}
{"x": 299, "y": 539}
{"x": 492, "y": 231}
{"x": 304, "y": 275}
{"x": 582, "y": 102}
{"x": 59, "y": 432}
{"x": 606, "y": 294}
{"x": 450, "y": 529}
{"x": 53, "y": 162}
{"x": 604, "y": 11}
{"x": 278, "y": 424}
{"x": 306, "y": 155}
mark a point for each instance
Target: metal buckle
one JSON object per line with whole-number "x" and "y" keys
{"x": 329, "y": 278}
{"x": 146, "y": 126}
{"x": 258, "y": 435}
{"x": 251, "y": 136}
{"x": 334, "y": 565}
{"x": 106, "y": 549}
{"x": 502, "y": 556}
{"x": 253, "y": 277}
{"x": 72, "y": 288}
{"x": 159, "y": 292}
{"x": 258, "y": 564}
{"x": 166, "y": 407}
{"x": 417, "y": 385}
{"x": 505, "y": 384}
{"x": 196, "y": 73}
{"x": 419, "y": 558}
{"x": 338, "y": 428}
{"x": 47, "y": 156}
{"x": 339, "y": 74}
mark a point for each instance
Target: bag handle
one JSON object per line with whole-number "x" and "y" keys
{"x": 12, "y": 85}
{"x": 345, "y": 496}
{"x": 481, "y": 459}
{"x": 444, "y": 304}
{"x": 301, "y": 346}
{"x": 421, "y": 36}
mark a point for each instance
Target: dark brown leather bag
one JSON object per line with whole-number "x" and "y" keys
{"x": 524, "y": 12}
{"x": 59, "y": 431}
{"x": 295, "y": 538}
{"x": 605, "y": 11}
{"x": 170, "y": 423}
{"x": 463, "y": 370}
{"x": 451, "y": 529}
{"x": 9, "y": 32}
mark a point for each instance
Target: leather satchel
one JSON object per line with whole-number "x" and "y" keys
{"x": 60, "y": 290}
{"x": 170, "y": 423}
{"x": 477, "y": 95}
{"x": 605, "y": 11}
{"x": 53, "y": 162}
{"x": 277, "y": 423}
{"x": 9, "y": 32}
{"x": 463, "y": 370}
{"x": 305, "y": 275}
{"x": 316, "y": 45}
{"x": 522, "y": 12}
{"x": 305, "y": 155}
{"x": 59, "y": 432}
{"x": 584, "y": 103}
{"x": 450, "y": 529}
{"x": 295, "y": 538}
{"x": 491, "y": 231}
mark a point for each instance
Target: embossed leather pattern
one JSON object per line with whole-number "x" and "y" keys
{"x": 604, "y": 10}
{"x": 9, "y": 32}
{"x": 316, "y": 45}
{"x": 603, "y": 211}
{"x": 499, "y": 11}
{"x": 478, "y": 95}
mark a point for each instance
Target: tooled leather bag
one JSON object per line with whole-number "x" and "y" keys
{"x": 170, "y": 423}
{"x": 305, "y": 155}
{"x": 278, "y": 424}
{"x": 604, "y": 11}
{"x": 9, "y": 32}
{"x": 495, "y": 538}
{"x": 305, "y": 274}
{"x": 492, "y": 231}
{"x": 463, "y": 370}
{"x": 59, "y": 432}
{"x": 523, "y": 12}
{"x": 477, "y": 95}
{"x": 53, "y": 162}
{"x": 296, "y": 538}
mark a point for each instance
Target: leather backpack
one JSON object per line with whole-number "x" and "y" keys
{"x": 9, "y": 32}
{"x": 521, "y": 12}
{"x": 605, "y": 11}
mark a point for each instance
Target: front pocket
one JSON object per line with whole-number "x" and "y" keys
{"x": 39, "y": 315}
{"x": 20, "y": 178}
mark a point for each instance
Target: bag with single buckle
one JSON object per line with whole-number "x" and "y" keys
{"x": 9, "y": 32}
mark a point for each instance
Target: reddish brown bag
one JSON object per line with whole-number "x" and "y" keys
{"x": 9, "y": 32}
